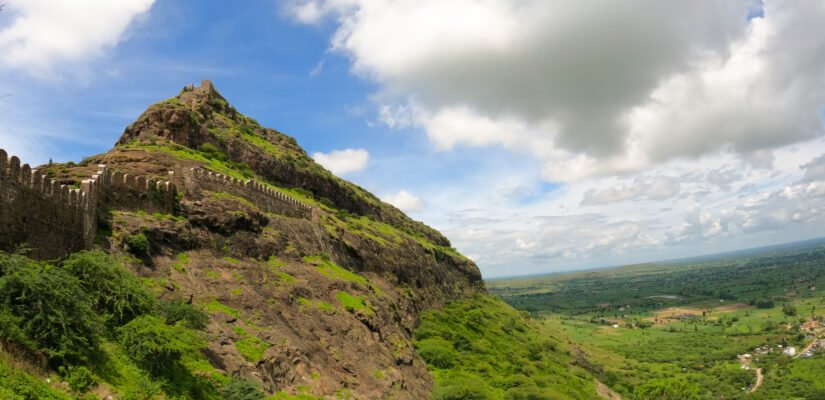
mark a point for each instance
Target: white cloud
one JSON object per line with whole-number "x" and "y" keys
{"x": 591, "y": 88}
{"x": 656, "y": 188}
{"x": 404, "y": 201}
{"x": 43, "y": 34}
{"x": 664, "y": 130}
{"x": 342, "y": 162}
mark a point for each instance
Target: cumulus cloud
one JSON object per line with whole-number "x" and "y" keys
{"x": 656, "y": 188}
{"x": 43, "y": 33}
{"x": 404, "y": 201}
{"x": 815, "y": 169}
{"x": 342, "y": 162}
{"x": 590, "y": 88}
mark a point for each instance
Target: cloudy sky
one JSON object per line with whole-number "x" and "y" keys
{"x": 539, "y": 135}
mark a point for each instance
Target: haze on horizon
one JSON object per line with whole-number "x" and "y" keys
{"x": 539, "y": 136}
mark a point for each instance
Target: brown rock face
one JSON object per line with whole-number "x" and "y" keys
{"x": 322, "y": 304}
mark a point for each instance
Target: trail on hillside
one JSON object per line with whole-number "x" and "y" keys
{"x": 758, "y": 380}
{"x": 605, "y": 392}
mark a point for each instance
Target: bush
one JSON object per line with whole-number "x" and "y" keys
{"x": 79, "y": 378}
{"x": 45, "y": 308}
{"x": 156, "y": 346}
{"x": 436, "y": 352}
{"x": 463, "y": 388}
{"x": 666, "y": 389}
{"x": 243, "y": 389}
{"x": 138, "y": 244}
{"x": 116, "y": 293}
{"x": 789, "y": 310}
{"x": 179, "y": 311}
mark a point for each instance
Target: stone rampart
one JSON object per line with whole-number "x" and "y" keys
{"x": 262, "y": 196}
{"x": 42, "y": 214}
{"x": 54, "y": 220}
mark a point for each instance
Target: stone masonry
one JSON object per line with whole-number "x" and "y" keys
{"x": 54, "y": 220}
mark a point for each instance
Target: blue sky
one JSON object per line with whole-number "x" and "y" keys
{"x": 539, "y": 136}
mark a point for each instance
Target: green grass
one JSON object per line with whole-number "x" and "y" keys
{"x": 228, "y": 196}
{"x": 353, "y": 303}
{"x": 274, "y": 262}
{"x": 251, "y": 347}
{"x": 18, "y": 385}
{"x": 334, "y": 271}
{"x": 316, "y": 304}
{"x": 484, "y": 349}
{"x": 216, "y": 306}
{"x": 183, "y": 261}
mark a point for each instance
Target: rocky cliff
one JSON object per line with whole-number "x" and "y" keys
{"x": 313, "y": 284}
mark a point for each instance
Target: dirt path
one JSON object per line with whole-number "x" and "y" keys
{"x": 758, "y": 380}
{"x": 809, "y": 346}
{"x": 605, "y": 392}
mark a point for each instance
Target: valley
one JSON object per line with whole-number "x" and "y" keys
{"x": 733, "y": 326}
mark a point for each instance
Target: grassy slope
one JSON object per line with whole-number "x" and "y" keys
{"x": 484, "y": 349}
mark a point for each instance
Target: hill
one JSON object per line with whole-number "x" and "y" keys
{"x": 206, "y": 256}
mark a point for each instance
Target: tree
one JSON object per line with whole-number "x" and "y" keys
{"x": 666, "y": 389}
{"x": 156, "y": 346}
{"x": 116, "y": 293}
{"x": 789, "y": 309}
{"x": 45, "y": 308}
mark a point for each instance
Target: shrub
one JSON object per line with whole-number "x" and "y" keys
{"x": 463, "y": 388}
{"x": 666, "y": 389}
{"x": 436, "y": 352}
{"x": 156, "y": 346}
{"x": 179, "y": 311}
{"x": 243, "y": 389}
{"x": 79, "y": 378}
{"x": 138, "y": 244}
{"x": 789, "y": 310}
{"x": 45, "y": 308}
{"x": 116, "y": 293}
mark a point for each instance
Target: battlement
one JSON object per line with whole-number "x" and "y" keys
{"x": 262, "y": 196}
{"x": 55, "y": 219}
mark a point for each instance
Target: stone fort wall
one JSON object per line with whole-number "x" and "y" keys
{"x": 262, "y": 196}
{"x": 54, "y": 220}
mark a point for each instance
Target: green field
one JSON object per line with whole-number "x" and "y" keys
{"x": 682, "y": 325}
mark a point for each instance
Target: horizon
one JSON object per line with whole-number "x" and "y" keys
{"x": 534, "y": 149}
{"x": 675, "y": 261}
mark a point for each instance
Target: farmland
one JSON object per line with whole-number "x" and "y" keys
{"x": 689, "y": 321}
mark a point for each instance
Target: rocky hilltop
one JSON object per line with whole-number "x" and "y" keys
{"x": 312, "y": 284}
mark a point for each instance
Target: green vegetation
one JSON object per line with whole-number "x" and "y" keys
{"x": 674, "y": 331}
{"x": 183, "y": 261}
{"x": 243, "y": 389}
{"x": 96, "y": 323}
{"x": 216, "y": 306}
{"x": 353, "y": 303}
{"x": 484, "y": 349}
{"x": 251, "y": 347}
{"x": 18, "y": 385}
{"x": 138, "y": 244}
{"x": 334, "y": 271}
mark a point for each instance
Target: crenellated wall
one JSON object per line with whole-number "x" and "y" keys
{"x": 54, "y": 219}
{"x": 48, "y": 217}
{"x": 262, "y": 196}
